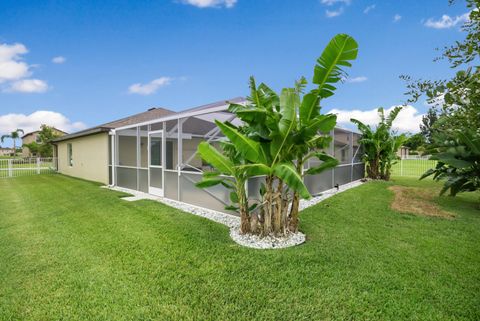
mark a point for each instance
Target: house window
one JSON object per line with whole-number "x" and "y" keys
{"x": 69, "y": 155}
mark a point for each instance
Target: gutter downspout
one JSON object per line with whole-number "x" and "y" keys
{"x": 112, "y": 136}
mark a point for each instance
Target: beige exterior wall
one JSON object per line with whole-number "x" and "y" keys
{"x": 90, "y": 157}
{"x": 27, "y": 140}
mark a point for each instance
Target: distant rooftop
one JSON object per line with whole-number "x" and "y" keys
{"x": 37, "y": 131}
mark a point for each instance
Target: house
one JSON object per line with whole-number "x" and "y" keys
{"x": 403, "y": 152}
{"x": 156, "y": 152}
{"x": 31, "y": 137}
{"x": 4, "y": 151}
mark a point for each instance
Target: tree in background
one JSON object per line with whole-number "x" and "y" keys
{"x": 14, "y": 135}
{"x": 427, "y": 126}
{"x": 456, "y": 132}
{"x": 43, "y": 147}
{"x": 466, "y": 51}
{"x": 414, "y": 142}
{"x": 278, "y": 134}
{"x": 380, "y": 145}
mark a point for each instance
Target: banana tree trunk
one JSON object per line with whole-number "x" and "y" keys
{"x": 293, "y": 223}
{"x": 267, "y": 218}
{"x": 277, "y": 214}
{"x": 388, "y": 171}
{"x": 294, "y": 212}
{"x": 373, "y": 169}
{"x": 245, "y": 226}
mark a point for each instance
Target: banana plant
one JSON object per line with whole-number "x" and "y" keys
{"x": 279, "y": 133}
{"x": 227, "y": 167}
{"x": 380, "y": 144}
{"x": 313, "y": 128}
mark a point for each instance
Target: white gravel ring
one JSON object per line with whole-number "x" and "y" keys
{"x": 267, "y": 242}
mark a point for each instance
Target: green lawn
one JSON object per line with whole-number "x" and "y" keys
{"x": 72, "y": 251}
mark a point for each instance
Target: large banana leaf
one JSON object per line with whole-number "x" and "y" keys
{"x": 255, "y": 169}
{"x": 392, "y": 115}
{"x": 248, "y": 114}
{"x": 289, "y": 175}
{"x": 259, "y": 96}
{"x": 328, "y": 162}
{"x": 339, "y": 51}
{"x": 289, "y": 104}
{"x": 245, "y": 146}
{"x": 319, "y": 141}
{"x": 209, "y": 182}
{"x": 310, "y": 106}
{"x": 212, "y": 156}
{"x": 271, "y": 98}
{"x": 365, "y": 129}
{"x": 322, "y": 123}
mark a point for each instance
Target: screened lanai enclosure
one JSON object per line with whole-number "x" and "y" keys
{"x": 160, "y": 157}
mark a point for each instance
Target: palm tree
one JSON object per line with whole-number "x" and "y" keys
{"x": 14, "y": 135}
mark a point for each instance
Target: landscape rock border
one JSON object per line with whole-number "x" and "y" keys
{"x": 233, "y": 222}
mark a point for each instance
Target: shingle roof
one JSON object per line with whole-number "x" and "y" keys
{"x": 152, "y": 113}
{"x": 198, "y": 126}
{"x": 37, "y": 131}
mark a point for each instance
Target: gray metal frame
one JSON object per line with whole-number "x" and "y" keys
{"x": 212, "y": 198}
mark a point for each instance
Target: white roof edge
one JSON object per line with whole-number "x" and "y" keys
{"x": 179, "y": 115}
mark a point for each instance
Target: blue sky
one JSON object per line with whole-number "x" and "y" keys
{"x": 80, "y": 63}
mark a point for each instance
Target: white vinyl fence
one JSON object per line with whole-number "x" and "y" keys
{"x": 413, "y": 166}
{"x": 27, "y": 166}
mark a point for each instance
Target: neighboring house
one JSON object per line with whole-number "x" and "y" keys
{"x": 156, "y": 152}
{"x": 33, "y": 137}
{"x": 403, "y": 152}
{"x": 6, "y": 151}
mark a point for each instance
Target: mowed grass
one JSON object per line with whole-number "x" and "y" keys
{"x": 70, "y": 250}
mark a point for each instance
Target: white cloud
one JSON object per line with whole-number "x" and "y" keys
{"x": 32, "y": 122}
{"x": 369, "y": 8}
{"x": 446, "y": 21}
{"x": 210, "y": 3}
{"x": 11, "y": 65}
{"x": 151, "y": 87}
{"x": 28, "y": 86}
{"x": 59, "y": 60}
{"x": 332, "y": 2}
{"x": 408, "y": 120}
{"x": 356, "y": 79}
{"x": 333, "y": 13}
{"x": 397, "y": 18}
{"x": 14, "y": 71}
